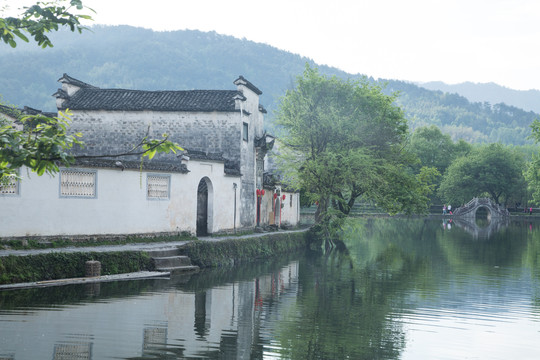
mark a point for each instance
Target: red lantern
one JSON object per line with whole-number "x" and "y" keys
{"x": 262, "y": 192}
{"x": 258, "y": 192}
{"x": 283, "y": 197}
{"x": 275, "y": 195}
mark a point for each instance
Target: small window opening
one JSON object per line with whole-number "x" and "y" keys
{"x": 245, "y": 132}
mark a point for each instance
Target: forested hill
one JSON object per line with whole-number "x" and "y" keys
{"x": 462, "y": 119}
{"x": 135, "y": 58}
{"x": 490, "y": 92}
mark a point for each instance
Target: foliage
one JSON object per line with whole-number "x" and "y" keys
{"x": 345, "y": 139}
{"x": 435, "y": 149}
{"x": 42, "y": 18}
{"x": 532, "y": 173}
{"x": 491, "y": 169}
{"x": 41, "y": 143}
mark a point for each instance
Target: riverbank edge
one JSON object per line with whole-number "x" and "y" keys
{"x": 229, "y": 252}
{"x": 61, "y": 266}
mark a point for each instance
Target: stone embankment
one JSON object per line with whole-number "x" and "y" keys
{"x": 69, "y": 265}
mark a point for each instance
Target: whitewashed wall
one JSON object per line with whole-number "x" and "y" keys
{"x": 290, "y": 211}
{"x": 121, "y": 205}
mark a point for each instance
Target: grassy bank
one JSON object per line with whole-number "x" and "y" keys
{"x": 229, "y": 252}
{"x": 60, "y": 265}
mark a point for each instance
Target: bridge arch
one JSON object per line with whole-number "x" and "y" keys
{"x": 469, "y": 210}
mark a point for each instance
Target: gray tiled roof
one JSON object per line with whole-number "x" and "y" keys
{"x": 18, "y": 113}
{"x": 10, "y": 111}
{"x": 139, "y": 100}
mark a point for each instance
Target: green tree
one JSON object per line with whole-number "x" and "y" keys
{"x": 532, "y": 173}
{"x": 345, "y": 139}
{"x": 41, "y": 142}
{"x": 435, "y": 149}
{"x": 491, "y": 169}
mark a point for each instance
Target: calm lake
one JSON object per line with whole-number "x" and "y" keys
{"x": 403, "y": 289}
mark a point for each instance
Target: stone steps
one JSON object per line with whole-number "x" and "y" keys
{"x": 168, "y": 260}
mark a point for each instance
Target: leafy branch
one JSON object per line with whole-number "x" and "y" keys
{"x": 42, "y": 18}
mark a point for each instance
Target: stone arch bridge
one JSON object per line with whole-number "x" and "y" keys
{"x": 469, "y": 210}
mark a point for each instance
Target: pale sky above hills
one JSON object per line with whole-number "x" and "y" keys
{"x": 416, "y": 40}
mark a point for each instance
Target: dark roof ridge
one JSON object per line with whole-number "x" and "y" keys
{"x": 72, "y": 81}
{"x": 166, "y": 91}
{"x": 243, "y": 81}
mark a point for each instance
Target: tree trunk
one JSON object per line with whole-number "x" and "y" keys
{"x": 322, "y": 209}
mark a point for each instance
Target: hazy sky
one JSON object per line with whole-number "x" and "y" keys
{"x": 417, "y": 40}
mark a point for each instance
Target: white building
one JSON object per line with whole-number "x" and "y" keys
{"x": 212, "y": 187}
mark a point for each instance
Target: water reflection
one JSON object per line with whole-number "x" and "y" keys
{"x": 480, "y": 228}
{"x": 207, "y": 317}
{"x": 408, "y": 289}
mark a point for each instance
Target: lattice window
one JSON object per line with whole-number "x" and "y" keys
{"x": 78, "y": 183}
{"x": 157, "y": 186}
{"x": 9, "y": 186}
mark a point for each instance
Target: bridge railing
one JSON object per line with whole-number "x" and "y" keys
{"x": 476, "y": 202}
{"x": 467, "y": 207}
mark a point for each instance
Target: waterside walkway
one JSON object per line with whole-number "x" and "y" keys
{"x": 138, "y": 246}
{"x": 157, "y": 246}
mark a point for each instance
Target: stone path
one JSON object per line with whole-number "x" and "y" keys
{"x": 135, "y": 246}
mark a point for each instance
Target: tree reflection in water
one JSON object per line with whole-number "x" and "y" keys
{"x": 357, "y": 303}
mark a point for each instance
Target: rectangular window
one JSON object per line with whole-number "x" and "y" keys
{"x": 78, "y": 183}
{"x": 158, "y": 186}
{"x": 245, "y": 132}
{"x": 9, "y": 186}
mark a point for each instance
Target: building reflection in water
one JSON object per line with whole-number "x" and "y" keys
{"x": 169, "y": 321}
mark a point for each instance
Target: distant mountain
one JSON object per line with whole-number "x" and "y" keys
{"x": 136, "y": 58}
{"x": 491, "y": 93}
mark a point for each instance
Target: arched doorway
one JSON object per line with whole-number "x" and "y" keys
{"x": 204, "y": 207}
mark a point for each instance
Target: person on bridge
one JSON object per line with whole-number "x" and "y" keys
{"x": 450, "y": 209}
